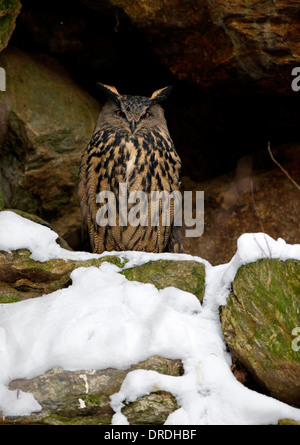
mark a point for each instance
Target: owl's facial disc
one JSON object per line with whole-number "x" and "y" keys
{"x": 133, "y": 109}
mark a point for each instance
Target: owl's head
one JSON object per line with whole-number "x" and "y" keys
{"x": 132, "y": 113}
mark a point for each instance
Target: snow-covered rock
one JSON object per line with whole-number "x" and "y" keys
{"x": 103, "y": 320}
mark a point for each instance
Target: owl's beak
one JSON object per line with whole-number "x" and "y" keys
{"x": 132, "y": 125}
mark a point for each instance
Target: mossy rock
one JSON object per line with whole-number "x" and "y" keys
{"x": 185, "y": 275}
{"x": 152, "y": 409}
{"x": 9, "y": 10}
{"x": 21, "y": 277}
{"x": 288, "y": 422}
{"x": 44, "y": 136}
{"x": 259, "y": 322}
{"x": 83, "y": 397}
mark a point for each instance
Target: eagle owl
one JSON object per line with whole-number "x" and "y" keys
{"x": 130, "y": 146}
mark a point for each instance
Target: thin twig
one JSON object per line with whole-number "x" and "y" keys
{"x": 261, "y": 224}
{"x": 281, "y": 168}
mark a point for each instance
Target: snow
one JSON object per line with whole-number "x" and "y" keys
{"x": 103, "y": 320}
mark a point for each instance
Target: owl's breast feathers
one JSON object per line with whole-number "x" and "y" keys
{"x": 145, "y": 161}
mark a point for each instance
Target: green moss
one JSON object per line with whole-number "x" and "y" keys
{"x": 95, "y": 400}
{"x": 9, "y": 5}
{"x": 5, "y": 27}
{"x": 269, "y": 290}
{"x": 8, "y": 297}
{"x": 164, "y": 368}
{"x": 9, "y": 10}
{"x": 185, "y": 275}
{"x": 117, "y": 261}
{"x": 96, "y": 410}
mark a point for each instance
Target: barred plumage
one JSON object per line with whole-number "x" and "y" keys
{"x": 131, "y": 145}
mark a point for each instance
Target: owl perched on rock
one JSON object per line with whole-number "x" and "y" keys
{"x": 130, "y": 156}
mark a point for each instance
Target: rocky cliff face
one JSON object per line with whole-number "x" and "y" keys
{"x": 214, "y": 43}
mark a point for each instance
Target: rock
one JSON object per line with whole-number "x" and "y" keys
{"x": 208, "y": 44}
{"x": 185, "y": 275}
{"x": 9, "y": 11}
{"x": 288, "y": 422}
{"x": 21, "y": 277}
{"x": 152, "y": 409}
{"x": 258, "y": 322}
{"x": 83, "y": 397}
{"x": 249, "y": 199}
{"x": 46, "y": 121}
{"x": 216, "y": 43}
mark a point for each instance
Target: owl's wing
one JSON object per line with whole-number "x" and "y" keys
{"x": 82, "y": 193}
{"x": 87, "y": 192}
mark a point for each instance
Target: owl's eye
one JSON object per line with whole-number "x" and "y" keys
{"x": 146, "y": 115}
{"x": 120, "y": 113}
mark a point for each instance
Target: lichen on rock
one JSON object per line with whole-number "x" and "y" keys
{"x": 83, "y": 397}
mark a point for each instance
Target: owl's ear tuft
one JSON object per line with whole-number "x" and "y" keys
{"x": 160, "y": 95}
{"x": 110, "y": 92}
